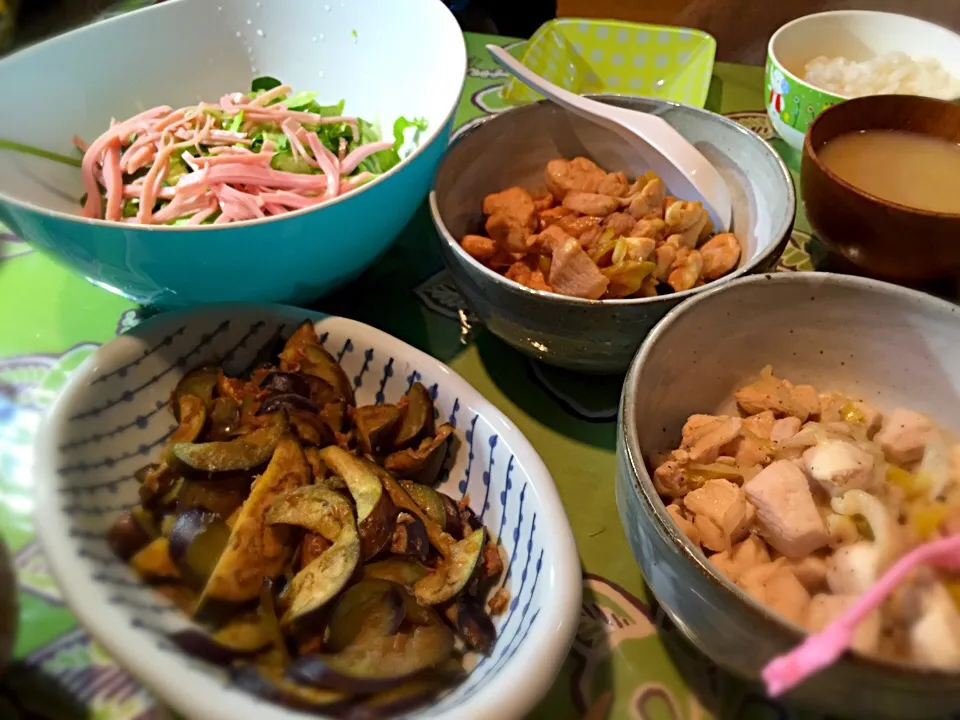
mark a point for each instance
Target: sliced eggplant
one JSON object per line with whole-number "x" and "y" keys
{"x": 288, "y": 401}
{"x": 375, "y": 426}
{"x": 313, "y": 546}
{"x": 245, "y": 453}
{"x": 311, "y": 429}
{"x": 375, "y": 511}
{"x": 324, "y": 578}
{"x": 277, "y": 655}
{"x": 369, "y": 607}
{"x": 401, "y": 571}
{"x": 192, "y": 415}
{"x": 377, "y": 663}
{"x": 317, "y": 465}
{"x": 438, "y": 538}
{"x": 127, "y": 535}
{"x": 314, "y": 508}
{"x": 428, "y": 499}
{"x": 197, "y": 540}
{"x": 224, "y": 419}
{"x": 270, "y": 683}
{"x": 292, "y": 354}
{"x": 333, "y": 482}
{"x": 471, "y": 622}
{"x": 410, "y": 537}
{"x": 452, "y": 575}
{"x": 286, "y": 383}
{"x": 153, "y": 562}
{"x": 334, "y": 414}
{"x": 424, "y": 463}
{"x": 223, "y": 494}
{"x": 256, "y": 550}
{"x": 452, "y": 507}
{"x": 319, "y": 363}
{"x": 159, "y": 487}
{"x": 199, "y": 382}
{"x": 241, "y": 639}
{"x": 417, "y": 420}
{"x": 401, "y": 699}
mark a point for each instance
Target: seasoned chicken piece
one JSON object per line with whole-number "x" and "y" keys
{"x": 839, "y": 466}
{"x": 752, "y": 451}
{"x": 786, "y": 510}
{"x": 824, "y": 609}
{"x": 563, "y": 176}
{"x": 543, "y": 201}
{"x": 590, "y": 203}
{"x": 649, "y": 227}
{"x": 685, "y": 270}
{"x": 904, "y": 436}
{"x": 753, "y": 579}
{"x": 522, "y": 273}
{"x": 573, "y": 273}
{"x": 704, "y": 435}
{"x": 479, "y": 247}
{"x": 551, "y": 216}
{"x": 811, "y": 571}
{"x": 670, "y": 479}
{"x": 711, "y": 536}
{"x": 784, "y": 429}
{"x": 686, "y": 219}
{"x": 837, "y": 408}
{"x": 935, "y": 636}
{"x": 744, "y": 556}
{"x": 784, "y": 594}
{"x": 867, "y": 416}
{"x": 665, "y": 256}
{"x": 578, "y": 225}
{"x": 831, "y": 407}
{"x": 688, "y": 528}
{"x": 614, "y": 184}
{"x": 590, "y": 238}
{"x": 720, "y": 255}
{"x": 621, "y": 223}
{"x": 512, "y": 217}
{"x": 760, "y": 425}
{"x": 851, "y": 570}
{"x": 649, "y": 201}
{"x": 780, "y": 396}
{"x": 639, "y": 249}
{"x": 723, "y": 504}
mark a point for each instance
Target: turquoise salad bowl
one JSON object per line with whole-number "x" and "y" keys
{"x": 376, "y": 55}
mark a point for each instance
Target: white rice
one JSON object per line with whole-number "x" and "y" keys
{"x": 893, "y": 73}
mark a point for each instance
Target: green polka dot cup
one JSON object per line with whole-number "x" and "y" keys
{"x": 604, "y": 56}
{"x": 858, "y": 35}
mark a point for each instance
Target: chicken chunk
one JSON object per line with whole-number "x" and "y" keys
{"x": 784, "y": 429}
{"x": 720, "y": 255}
{"x": 479, "y": 247}
{"x": 614, "y": 184}
{"x": 704, "y": 435}
{"x": 750, "y": 450}
{"x": 811, "y": 571}
{"x": 687, "y": 527}
{"x": 639, "y": 249}
{"x": 786, "y": 510}
{"x": 621, "y": 223}
{"x": 779, "y": 396}
{"x": 824, "y": 609}
{"x": 590, "y": 203}
{"x": 851, "y": 570}
{"x": 784, "y": 594}
{"x": 512, "y": 217}
{"x": 572, "y": 272}
{"x": 743, "y": 557}
{"x": 839, "y": 466}
{"x": 580, "y": 174}
{"x": 904, "y": 435}
{"x": 711, "y": 535}
{"x": 686, "y": 219}
{"x": 725, "y": 505}
{"x": 755, "y": 578}
{"x": 685, "y": 270}
{"x": 649, "y": 227}
{"x": 760, "y": 425}
{"x": 935, "y": 636}
{"x": 649, "y": 201}
{"x": 578, "y": 225}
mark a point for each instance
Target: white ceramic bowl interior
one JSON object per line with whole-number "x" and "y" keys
{"x": 111, "y": 419}
{"x": 375, "y": 54}
{"x": 861, "y": 35}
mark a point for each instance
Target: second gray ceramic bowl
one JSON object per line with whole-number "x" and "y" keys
{"x": 891, "y": 346}
{"x": 513, "y": 147}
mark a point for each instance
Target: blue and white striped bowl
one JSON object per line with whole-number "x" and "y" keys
{"x": 111, "y": 419}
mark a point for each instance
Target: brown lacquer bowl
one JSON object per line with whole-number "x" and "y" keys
{"x": 881, "y": 238}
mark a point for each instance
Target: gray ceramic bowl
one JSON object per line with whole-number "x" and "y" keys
{"x": 513, "y": 147}
{"x": 891, "y": 346}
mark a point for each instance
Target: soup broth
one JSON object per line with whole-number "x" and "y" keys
{"x": 906, "y": 168}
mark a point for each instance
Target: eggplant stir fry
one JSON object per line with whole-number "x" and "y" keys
{"x": 302, "y": 533}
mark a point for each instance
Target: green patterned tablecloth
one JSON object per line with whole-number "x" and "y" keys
{"x": 627, "y": 660}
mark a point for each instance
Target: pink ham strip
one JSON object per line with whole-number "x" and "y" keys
{"x": 355, "y": 182}
{"x": 823, "y": 649}
{"x": 113, "y": 180}
{"x": 328, "y": 162}
{"x": 263, "y": 98}
{"x": 289, "y": 199}
{"x": 203, "y": 214}
{"x": 178, "y": 208}
{"x": 135, "y": 190}
{"x": 247, "y": 158}
{"x": 290, "y": 129}
{"x": 351, "y": 161}
{"x": 272, "y": 209}
{"x": 91, "y": 208}
{"x": 250, "y": 203}
{"x": 240, "y": 174}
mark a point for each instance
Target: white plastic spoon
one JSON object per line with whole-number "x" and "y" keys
{"x": 684, "y": 169}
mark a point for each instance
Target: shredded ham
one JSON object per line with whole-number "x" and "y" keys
{"x": 228, "y": 177}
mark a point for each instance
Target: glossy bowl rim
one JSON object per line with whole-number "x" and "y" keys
{"x": 811, "y": 152}
{"x": 512, "y": 695}
{"x": 432, "y": 135}
{"x": 776, "y": 248}
{"x": 793, "y": 24}
{"x": 655, "y": 509}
